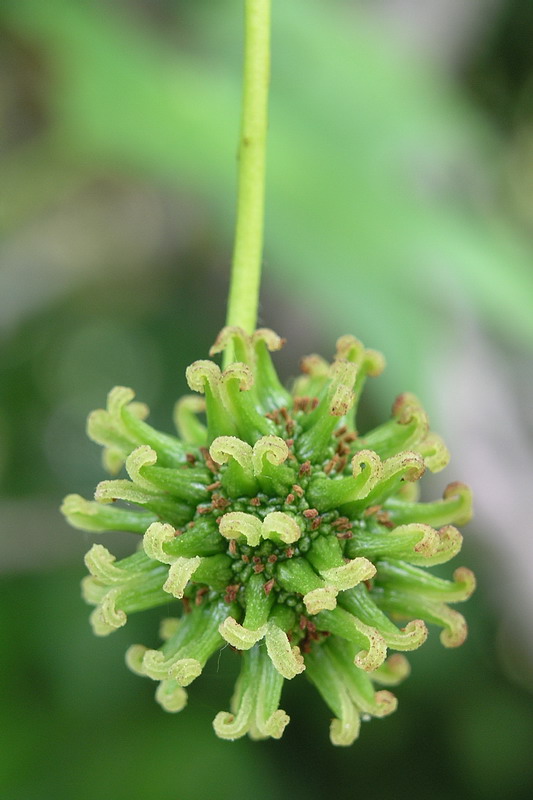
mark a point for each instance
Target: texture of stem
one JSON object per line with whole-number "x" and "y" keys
{"x": 248, "y": 248}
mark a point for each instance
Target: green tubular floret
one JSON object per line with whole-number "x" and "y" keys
{"x": 157, "y": 502}
{"x": 268, "y": 457}
{"x": 205, "y": 377}
{"x": 297, "y": 575}
{"x": 408, "y": 428}
{"x": 186, "y": 421}
{"x": 255, "y": 703}
{"x": 325, "y": 676}
{"x": 237, "y": 381}
{"x": 415, "y": 543}
{"x": 329, "y": 493}
{"x": 270, "y": 392}
{"x": 371, "y": 646}
{"x": 358, "y": 601}
{"x": 237, "y": 341}
{"x": 183, "y": 656}
{"x": 171, "y": 696}
{"x": 163, "y": 543}
{"x": 406, "y": 604}
{"x": 358, "y": 684}
{"x": 454, "y": 508}
{"x": 320, "y": 424}
{"x": 399, "y": 575}
{"x": 393, "y": 671}
{"x": 327, "y": 559}
{"x": 434, "y": 452}
{"x": 258, "y": 605}
{"x": 87, "y": 515}
{"x": 117, "y": 590}
{"x": 285, "y": 657}
{"x": 369, "y": 363}
{"x": 405, "y": 466}
{"x": 121, "y": 428}
{"x": 312, "y": 382}
{"x": 185, "y": 483}
{"x": 237, "y": 477}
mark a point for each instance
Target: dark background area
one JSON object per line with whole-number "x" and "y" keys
{"x": 400, "y": 209}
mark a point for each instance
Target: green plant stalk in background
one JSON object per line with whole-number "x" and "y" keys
{"x": 270, "y": 521}
{"x": 248, "y": 249}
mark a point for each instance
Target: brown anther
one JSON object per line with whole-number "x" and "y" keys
{"x": 272, "y": 559}
{"x": 350, "y": 437}
{"x": 384, "y": 519}
{"x": 342, "y": 450}
{"x": 368, "y": 512}
{"x": 256, "y": 559}
{"x": 289, "y": 552}
{"x": 298, "y": 490}
{"x": 284, "y": 413}
{"x": 231, "y": 592}
{"x": 218, "y": 520}
{"x": 210, "y": 464}
{"x": 340, "y": 522}
{"x": 305, "y": 469}
{"x": 204, "y": 509}
{"x": 190, "y": 524}
{"x": 220, "y": 502}
{"x": 289, "y": 442}
{"x": 290, "y": 498}
{"x": 302, "y": 622}
{"x": 368, "y": 584}
{"x": 233, "y": 547}
{"x": 289, "y": 427}
{"x": 213, "y": 486}
{"x": 340, "y": 431}
{"x": 310, "y": 513}
{"x": 186, "y": 605}
{"x": 200, "y": 595}
{"x": 274, "y": 416}
{"x": 341, "y": 464}
{"x": 331, "y": 465}
{"x": 191, "y": 459}
{"x": 344, "y": 535}
{"x": 314, "y": 403}
{"x": 245, "y": 558}
{"x": 269, "y": 585}
{"x": 177, "y": 532}
{"x": 255, "y": 501}
{"x": 316, "y": 523}
{"x": 259, "y": 568}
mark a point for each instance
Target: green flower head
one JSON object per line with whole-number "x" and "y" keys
{"x": 279, "y": 530}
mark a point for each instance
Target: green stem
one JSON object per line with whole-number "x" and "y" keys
{"x": 248, "y": 248}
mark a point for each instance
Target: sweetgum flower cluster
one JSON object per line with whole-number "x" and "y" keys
{"x": 279, "y": 531}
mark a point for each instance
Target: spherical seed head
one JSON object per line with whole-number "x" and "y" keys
{"x": 270, "y": 524}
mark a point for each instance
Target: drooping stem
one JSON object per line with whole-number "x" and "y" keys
{"x": 248, "y": 248}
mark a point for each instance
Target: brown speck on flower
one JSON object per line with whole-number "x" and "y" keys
{"x": 219, "y": 502}
{"x": 213, "y": 486}
{"x": 259, "y": 568}
{"x": 233, "y": 547}
{"x": 298, "y": 490}
{"x": 310, "y": 513}
{"x": 202, "y": 591}
{"x": 231, "y": 592}
{"x": 305, "y": 469}
{"x": 255, "y": 501}
{"x": 210, "y": 464}
{"x": 290, "y": 499}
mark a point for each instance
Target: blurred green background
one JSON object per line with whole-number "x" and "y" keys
{"x": 400, "y": 209}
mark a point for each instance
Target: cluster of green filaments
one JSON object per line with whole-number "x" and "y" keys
{"x": 278, "y": 530}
